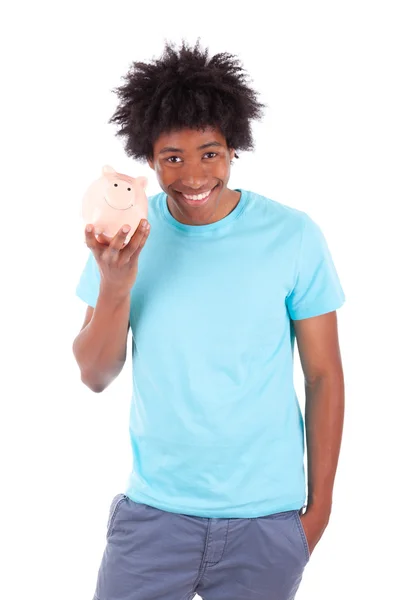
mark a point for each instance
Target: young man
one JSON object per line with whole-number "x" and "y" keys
{"x": 215, "y": 296}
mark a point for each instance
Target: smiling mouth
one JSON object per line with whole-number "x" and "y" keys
{"x": 197, "y": 200}
{"x": 116, "y": 207}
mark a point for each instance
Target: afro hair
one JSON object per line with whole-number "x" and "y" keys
{"x": 185, "y": 89}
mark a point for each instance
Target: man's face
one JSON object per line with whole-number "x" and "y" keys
{"x": 189, "y": 163}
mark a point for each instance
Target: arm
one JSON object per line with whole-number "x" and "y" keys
{"x": 318, "y": 345}
{"x": 100, "y": 347}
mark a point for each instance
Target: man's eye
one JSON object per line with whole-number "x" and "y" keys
{"x": 171, "y": 159}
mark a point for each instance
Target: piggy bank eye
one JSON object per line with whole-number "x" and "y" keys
{"x": 129, "y": 189}
{"x": 115, "y": 184}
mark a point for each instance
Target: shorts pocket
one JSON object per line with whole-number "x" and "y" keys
{"x": 302, "y": 534}
{"x": 115, "y": 505}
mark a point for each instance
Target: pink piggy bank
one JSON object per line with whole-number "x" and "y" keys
{"x": 114, "y": 200}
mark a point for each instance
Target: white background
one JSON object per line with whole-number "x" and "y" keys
{"x": 328, "y": 145}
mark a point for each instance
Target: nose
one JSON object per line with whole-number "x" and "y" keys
{"x": 194, "y": 182}
{"x": 194, "y": 175}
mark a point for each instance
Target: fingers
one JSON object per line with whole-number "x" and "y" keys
{"x": 103, "y": 239}
{"x": 112, "y": 252}
{"x": 91, "y": 240}
{"x": 137, "y": 241}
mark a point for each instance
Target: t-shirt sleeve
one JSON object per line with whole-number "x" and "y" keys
{"x": 89, "y": 283}
{"x": 317, "y": 289}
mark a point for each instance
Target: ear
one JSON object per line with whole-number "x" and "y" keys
{"x": 107, "y": 169}
{"x": 142, "y": 181}
{"x": 150, "y": 163}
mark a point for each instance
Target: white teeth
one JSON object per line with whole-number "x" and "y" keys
{"x": 199, "y": 197}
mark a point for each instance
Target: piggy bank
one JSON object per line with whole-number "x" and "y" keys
{"x": 114, "y": 200}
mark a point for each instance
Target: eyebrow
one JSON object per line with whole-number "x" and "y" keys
{"x": 208, "y": 145}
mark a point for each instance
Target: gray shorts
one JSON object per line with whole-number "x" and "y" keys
{"x": 151, "y": 554}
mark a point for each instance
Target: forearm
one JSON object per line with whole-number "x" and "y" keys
{"x": 324, "y": 417}
{"x": 100, "y": 348}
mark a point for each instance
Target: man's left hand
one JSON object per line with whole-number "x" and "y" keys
{"x": 314, "y": 524}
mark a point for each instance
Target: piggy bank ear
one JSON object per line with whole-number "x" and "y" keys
{"x": 107, "y": 169}
{"x": 142, "y": 181}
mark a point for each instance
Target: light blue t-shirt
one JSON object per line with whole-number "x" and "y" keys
{"x": 216, "y": 429}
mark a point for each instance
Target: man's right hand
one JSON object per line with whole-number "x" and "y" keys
{"x": 118, "y": 262}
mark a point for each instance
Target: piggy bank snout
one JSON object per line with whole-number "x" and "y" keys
{"x": 119, "y": 196}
